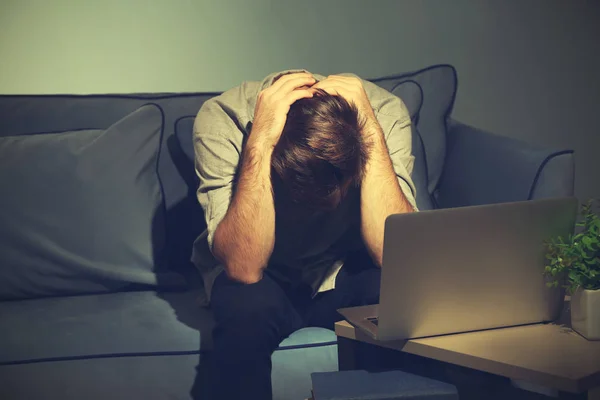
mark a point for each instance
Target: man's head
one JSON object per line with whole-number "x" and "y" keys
{"x": 321, "y": 154}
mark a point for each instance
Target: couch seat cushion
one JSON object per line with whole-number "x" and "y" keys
{"x": 181, "y": 377}
{"x": 115, "y": 325}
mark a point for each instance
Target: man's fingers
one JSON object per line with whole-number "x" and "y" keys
{"x": 348, "y": 79}
{"x": 298, "y": 94}
{"x": 338, "y": 77}
{"x": 292, "y": 81}
{"x": 330, "y": 89}
{"x": 349, "y": 83}
{"x": 294, "y": 84}
{"x": 333, "y": 88}
{"x": 291, "y": 75}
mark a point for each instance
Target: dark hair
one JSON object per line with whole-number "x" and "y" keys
{"x": 321, "y": 152}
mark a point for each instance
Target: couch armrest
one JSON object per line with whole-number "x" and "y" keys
{"x": 483, "y": 168}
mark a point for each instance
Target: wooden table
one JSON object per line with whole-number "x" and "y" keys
{"x": 549, "y": 356}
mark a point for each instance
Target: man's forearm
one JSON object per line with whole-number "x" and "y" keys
{"x": 381, "y": 194}
{"x": 245, "y": 237}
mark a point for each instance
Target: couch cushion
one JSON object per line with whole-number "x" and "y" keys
{"x": 439, "y": 84}
{"x": 184, "y": 132}
{"x": 181, "y": 376}
{"x": 147, "y": 377}
{"x": 115, "y": 325}
{"x": 83, "y": 210}
{"x": 24, "y": 115}
{"x": 477, "y": 171}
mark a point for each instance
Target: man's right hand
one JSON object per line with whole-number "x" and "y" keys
{"x": 274, "y": 103}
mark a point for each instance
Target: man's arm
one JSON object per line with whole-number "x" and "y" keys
{"x": 244, "y": 239}
{"x": 380, "y": 193}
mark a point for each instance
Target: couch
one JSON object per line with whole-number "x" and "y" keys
{"x": 98, "y": 298}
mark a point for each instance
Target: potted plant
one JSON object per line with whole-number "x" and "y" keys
{"x": 574, "y": 262}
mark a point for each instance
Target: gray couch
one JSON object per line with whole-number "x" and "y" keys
{"x": 98, "y": 298}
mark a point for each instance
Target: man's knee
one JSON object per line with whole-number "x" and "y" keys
{"x": 236, "y": 300}
{"x": 257, "y": 315}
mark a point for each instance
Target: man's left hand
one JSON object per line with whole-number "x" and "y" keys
{"x": 351, "y": 89}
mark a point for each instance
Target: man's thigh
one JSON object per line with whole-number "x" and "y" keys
{"x": 357, "y": 284}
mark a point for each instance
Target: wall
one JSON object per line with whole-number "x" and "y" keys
{"x": 527, "y": 69}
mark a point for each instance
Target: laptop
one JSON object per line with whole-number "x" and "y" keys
{"x": 465, "y": 269}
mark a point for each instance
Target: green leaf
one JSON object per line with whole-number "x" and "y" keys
{"x": 576, "y": 256}
{"x": 574, "y": 277}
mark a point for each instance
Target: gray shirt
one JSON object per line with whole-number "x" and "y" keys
{"x": 311, "y": 252}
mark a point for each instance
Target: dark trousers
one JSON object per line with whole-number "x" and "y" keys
{"x": 251, "y": 321}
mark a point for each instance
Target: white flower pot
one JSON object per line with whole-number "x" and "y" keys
{"x": 585, "y": 313}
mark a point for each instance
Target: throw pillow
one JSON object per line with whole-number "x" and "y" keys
{"x": 82, "y": 211}
{"x": 438, "y": 84}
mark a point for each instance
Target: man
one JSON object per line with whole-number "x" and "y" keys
{"x": 298, "y": 174}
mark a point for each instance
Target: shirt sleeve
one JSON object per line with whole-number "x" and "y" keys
{"x": 217, "y": 147}
{"x": 399, "y": 143}
{"x": 394, "y": 119}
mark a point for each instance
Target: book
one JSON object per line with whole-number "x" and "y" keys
{"x": 389, "y": 385}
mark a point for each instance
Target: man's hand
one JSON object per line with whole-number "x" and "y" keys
{"x": 274, "y": 103}
{"x": 351, "y": 89}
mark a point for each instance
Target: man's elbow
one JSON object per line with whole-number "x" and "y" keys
{"x": 378, "y": 259}
{"x": 245, "y": 275}
{"x": 240, "y": 266}
{"x": 376, "y": 254}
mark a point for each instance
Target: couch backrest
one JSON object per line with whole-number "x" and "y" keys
{"x": 428, "y": 93}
